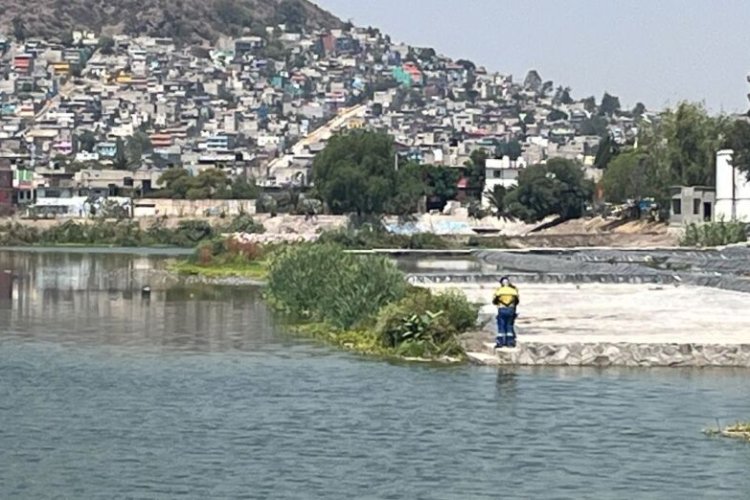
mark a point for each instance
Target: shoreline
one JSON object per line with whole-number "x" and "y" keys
{"x": 620, "y": 354}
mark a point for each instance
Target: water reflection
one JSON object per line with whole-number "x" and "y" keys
{"x": 97, "y": 299}
{"x": 507, "y": 382}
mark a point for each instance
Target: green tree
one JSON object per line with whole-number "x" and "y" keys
{"x": 589, "y": 104}
{"x": 692, "y": 138}
{"x": 292, "y": 14}
{"x": 639, "y": 109}
{"x": 244, "y": 189}
{"x": 87, "y": 141}
{"x": 442, "y": 184}
{"x": 176, "y": 182}
{"x": 121, "y": 161}
{"x": 355, "y": 173}
{"x": 606, "y": 150}
{"x": 557, "y": 115}
{"x": 632, "y": 175}
{"x": 106, "y": 45}
{"x": 476, "y": 172}
{"x": 410, "y": 188}
{"x": 138, "y": 145}
{"x": 210, "y": 183}
{"x": 737, "y": 138}
{"x": 496, "y": 199}
{"x": 533, "y": 81}
{"x": 610, "y": 105}
{"x": 557, "y": 188}
{"x": 19, "y": 29}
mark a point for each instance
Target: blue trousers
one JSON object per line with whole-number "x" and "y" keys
{"x": 506, "y": 318}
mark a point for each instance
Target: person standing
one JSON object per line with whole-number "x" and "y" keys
{"x": 506, "y": 300}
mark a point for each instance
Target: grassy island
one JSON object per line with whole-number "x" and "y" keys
{"x": 359, "y": 303}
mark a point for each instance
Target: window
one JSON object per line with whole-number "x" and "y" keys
{"x": 497, "y": 174}
{"x": 696, "y": 206}
{"x": 677, "y": 207}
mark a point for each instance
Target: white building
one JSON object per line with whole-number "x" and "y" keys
{"x": 501, "y": 172}
{"x": 732, "y": 189}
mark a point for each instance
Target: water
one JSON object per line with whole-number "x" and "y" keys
{"x": 199, "y": 394}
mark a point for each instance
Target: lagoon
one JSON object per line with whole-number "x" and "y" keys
{"x": 200, "y": 393}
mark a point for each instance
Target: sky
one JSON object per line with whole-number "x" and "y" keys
{"x": 658, "y": 52}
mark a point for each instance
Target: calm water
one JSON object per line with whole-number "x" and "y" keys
{"x": 196, "y": 394}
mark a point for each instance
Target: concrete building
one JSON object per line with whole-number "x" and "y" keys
{"x": 501, "y": 172}
{"x": 732, "y": 189}
{"x": 691, "y": 205}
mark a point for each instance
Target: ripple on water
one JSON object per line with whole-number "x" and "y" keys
{"x": 203, "y": 397}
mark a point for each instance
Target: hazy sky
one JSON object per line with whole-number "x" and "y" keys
{"x": 655, "y": 51}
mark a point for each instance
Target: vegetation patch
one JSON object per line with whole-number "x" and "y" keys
{"x": 225, "y": 258}
{"x": 740, "y": 430}
{"x": 123, "y": 233}
{"x": 364, "y": 304}
{"x": 713, "y": 234}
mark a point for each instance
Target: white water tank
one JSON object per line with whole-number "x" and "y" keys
{"x": 732, "y": 189}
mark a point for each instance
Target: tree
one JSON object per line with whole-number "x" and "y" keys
{"x": 106, "y": 45}
{"x": 556, "y": 115}
{"x": 496, "y": 199}
{"x": 292, "y": 14}
{"x": 606, "y": 150}
{"x": 442, "y": 184}
{"x": 476, "y": 170}
{"x": 557, "y": 188}
{"x": 610, "y": 105}
{"x": 244, "y": 189}
{"x": 176, "y": 182}
{"x": 19, "y": 29}
{"x": 562, "y": 96}
{"x": 533, "y": 81}
{"x": 692, "y": 138}
{"x": 138, "y": 145}
{"x": 547, "y": 87}
{"x": 632, "y": 175}
{"x": 596, "y": 125}
{"x": 511, "y": 149}
{"x": 87, "y": 141}
{"x": 355, "y": 172}
{"x": 737, "y": 138}
{"x": 639, "y": 109}
{"x": 589, "y": 104}
{"x": 120, "y": 161}
{"x": 410, "y": 188}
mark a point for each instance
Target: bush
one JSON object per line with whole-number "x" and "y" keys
{"x": 713, "y": 234}
{"x": 243, "y": 223}
{"x": 320, "y": 282}
{"x": 424, "y": 324}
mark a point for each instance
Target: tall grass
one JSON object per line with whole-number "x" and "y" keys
{"x": 322, "y": 283}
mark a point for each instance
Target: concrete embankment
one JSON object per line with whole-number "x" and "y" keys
{"x": 614, "y": 308}
{"x": 627, "y": 354}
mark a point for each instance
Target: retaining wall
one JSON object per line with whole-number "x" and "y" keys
{"x": 617, "y": 354}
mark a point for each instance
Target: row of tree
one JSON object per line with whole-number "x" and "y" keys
{"x": 359, "y": 172}
{"x": 677, "y": 149}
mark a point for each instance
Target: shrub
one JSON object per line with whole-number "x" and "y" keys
{"x": 714, "y": 234}
{"x": 426, "y": 324}
{"x": 320, "y": 282}
{"x": 243, "y": 223}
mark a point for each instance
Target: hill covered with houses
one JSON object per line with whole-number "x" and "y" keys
{"x": 90, "y": 111}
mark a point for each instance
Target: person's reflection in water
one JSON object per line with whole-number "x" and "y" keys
{"x": 507, "y": 381}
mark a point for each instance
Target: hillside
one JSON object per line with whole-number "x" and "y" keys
{"x": 185, "y": 20}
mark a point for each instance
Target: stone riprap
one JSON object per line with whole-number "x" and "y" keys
{"x": 616, "y": 354}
